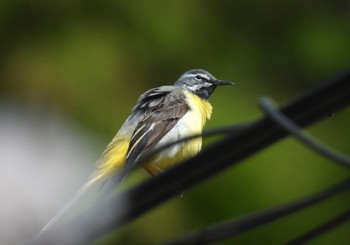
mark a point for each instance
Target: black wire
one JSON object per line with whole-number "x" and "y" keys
{"x": 294, "y": 130}
{"x": 323, "y": 228}
{"x": 237, "y": 226}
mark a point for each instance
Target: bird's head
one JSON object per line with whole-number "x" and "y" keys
{"x": 200, "y": 82}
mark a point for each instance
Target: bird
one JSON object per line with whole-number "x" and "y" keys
{"x": 161, "y": 115}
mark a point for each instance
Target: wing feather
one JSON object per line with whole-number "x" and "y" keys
{"x": 161, "y": 113}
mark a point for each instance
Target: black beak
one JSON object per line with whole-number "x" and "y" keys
{"x": 223, "y": 82}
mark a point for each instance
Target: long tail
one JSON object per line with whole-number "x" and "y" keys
{"x": 69, "y": 205}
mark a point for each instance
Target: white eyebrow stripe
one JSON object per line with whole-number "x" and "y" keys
{"x": 196, "y": 74}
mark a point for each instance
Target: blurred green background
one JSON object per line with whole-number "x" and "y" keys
{"x": 88, "y": 61}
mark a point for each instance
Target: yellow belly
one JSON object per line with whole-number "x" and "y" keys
{"x": 163, "y": 162}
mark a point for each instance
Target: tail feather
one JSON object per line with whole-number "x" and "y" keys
{"x": 69, "y": 205}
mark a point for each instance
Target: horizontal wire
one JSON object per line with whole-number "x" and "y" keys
{"x": 233, "y": 227}
{"x": 323, "y": 228}
{"x": 298, "y": 133}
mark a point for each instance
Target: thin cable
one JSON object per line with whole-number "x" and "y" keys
{"x": 298, "y": 133}
{"x": 323, "y": 228}
{"x": 233, "y": 227}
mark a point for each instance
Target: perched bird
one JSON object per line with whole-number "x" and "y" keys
{"x": 161, "y": 115}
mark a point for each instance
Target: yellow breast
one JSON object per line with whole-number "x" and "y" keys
{"x": 199, "y": 106}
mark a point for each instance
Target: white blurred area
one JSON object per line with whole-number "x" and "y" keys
{"x": 44, "y": 160}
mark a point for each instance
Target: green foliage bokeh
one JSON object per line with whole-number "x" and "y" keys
{"x": 90, "y": 60}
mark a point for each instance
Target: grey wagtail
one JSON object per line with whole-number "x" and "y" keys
{"x": 161, "y": 115}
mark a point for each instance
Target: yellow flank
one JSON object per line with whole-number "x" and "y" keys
{"x": 112, "y": 159}
{"x": 194, "y": 121}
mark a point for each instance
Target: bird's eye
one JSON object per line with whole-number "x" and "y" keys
{"x": 198, "y": 77}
